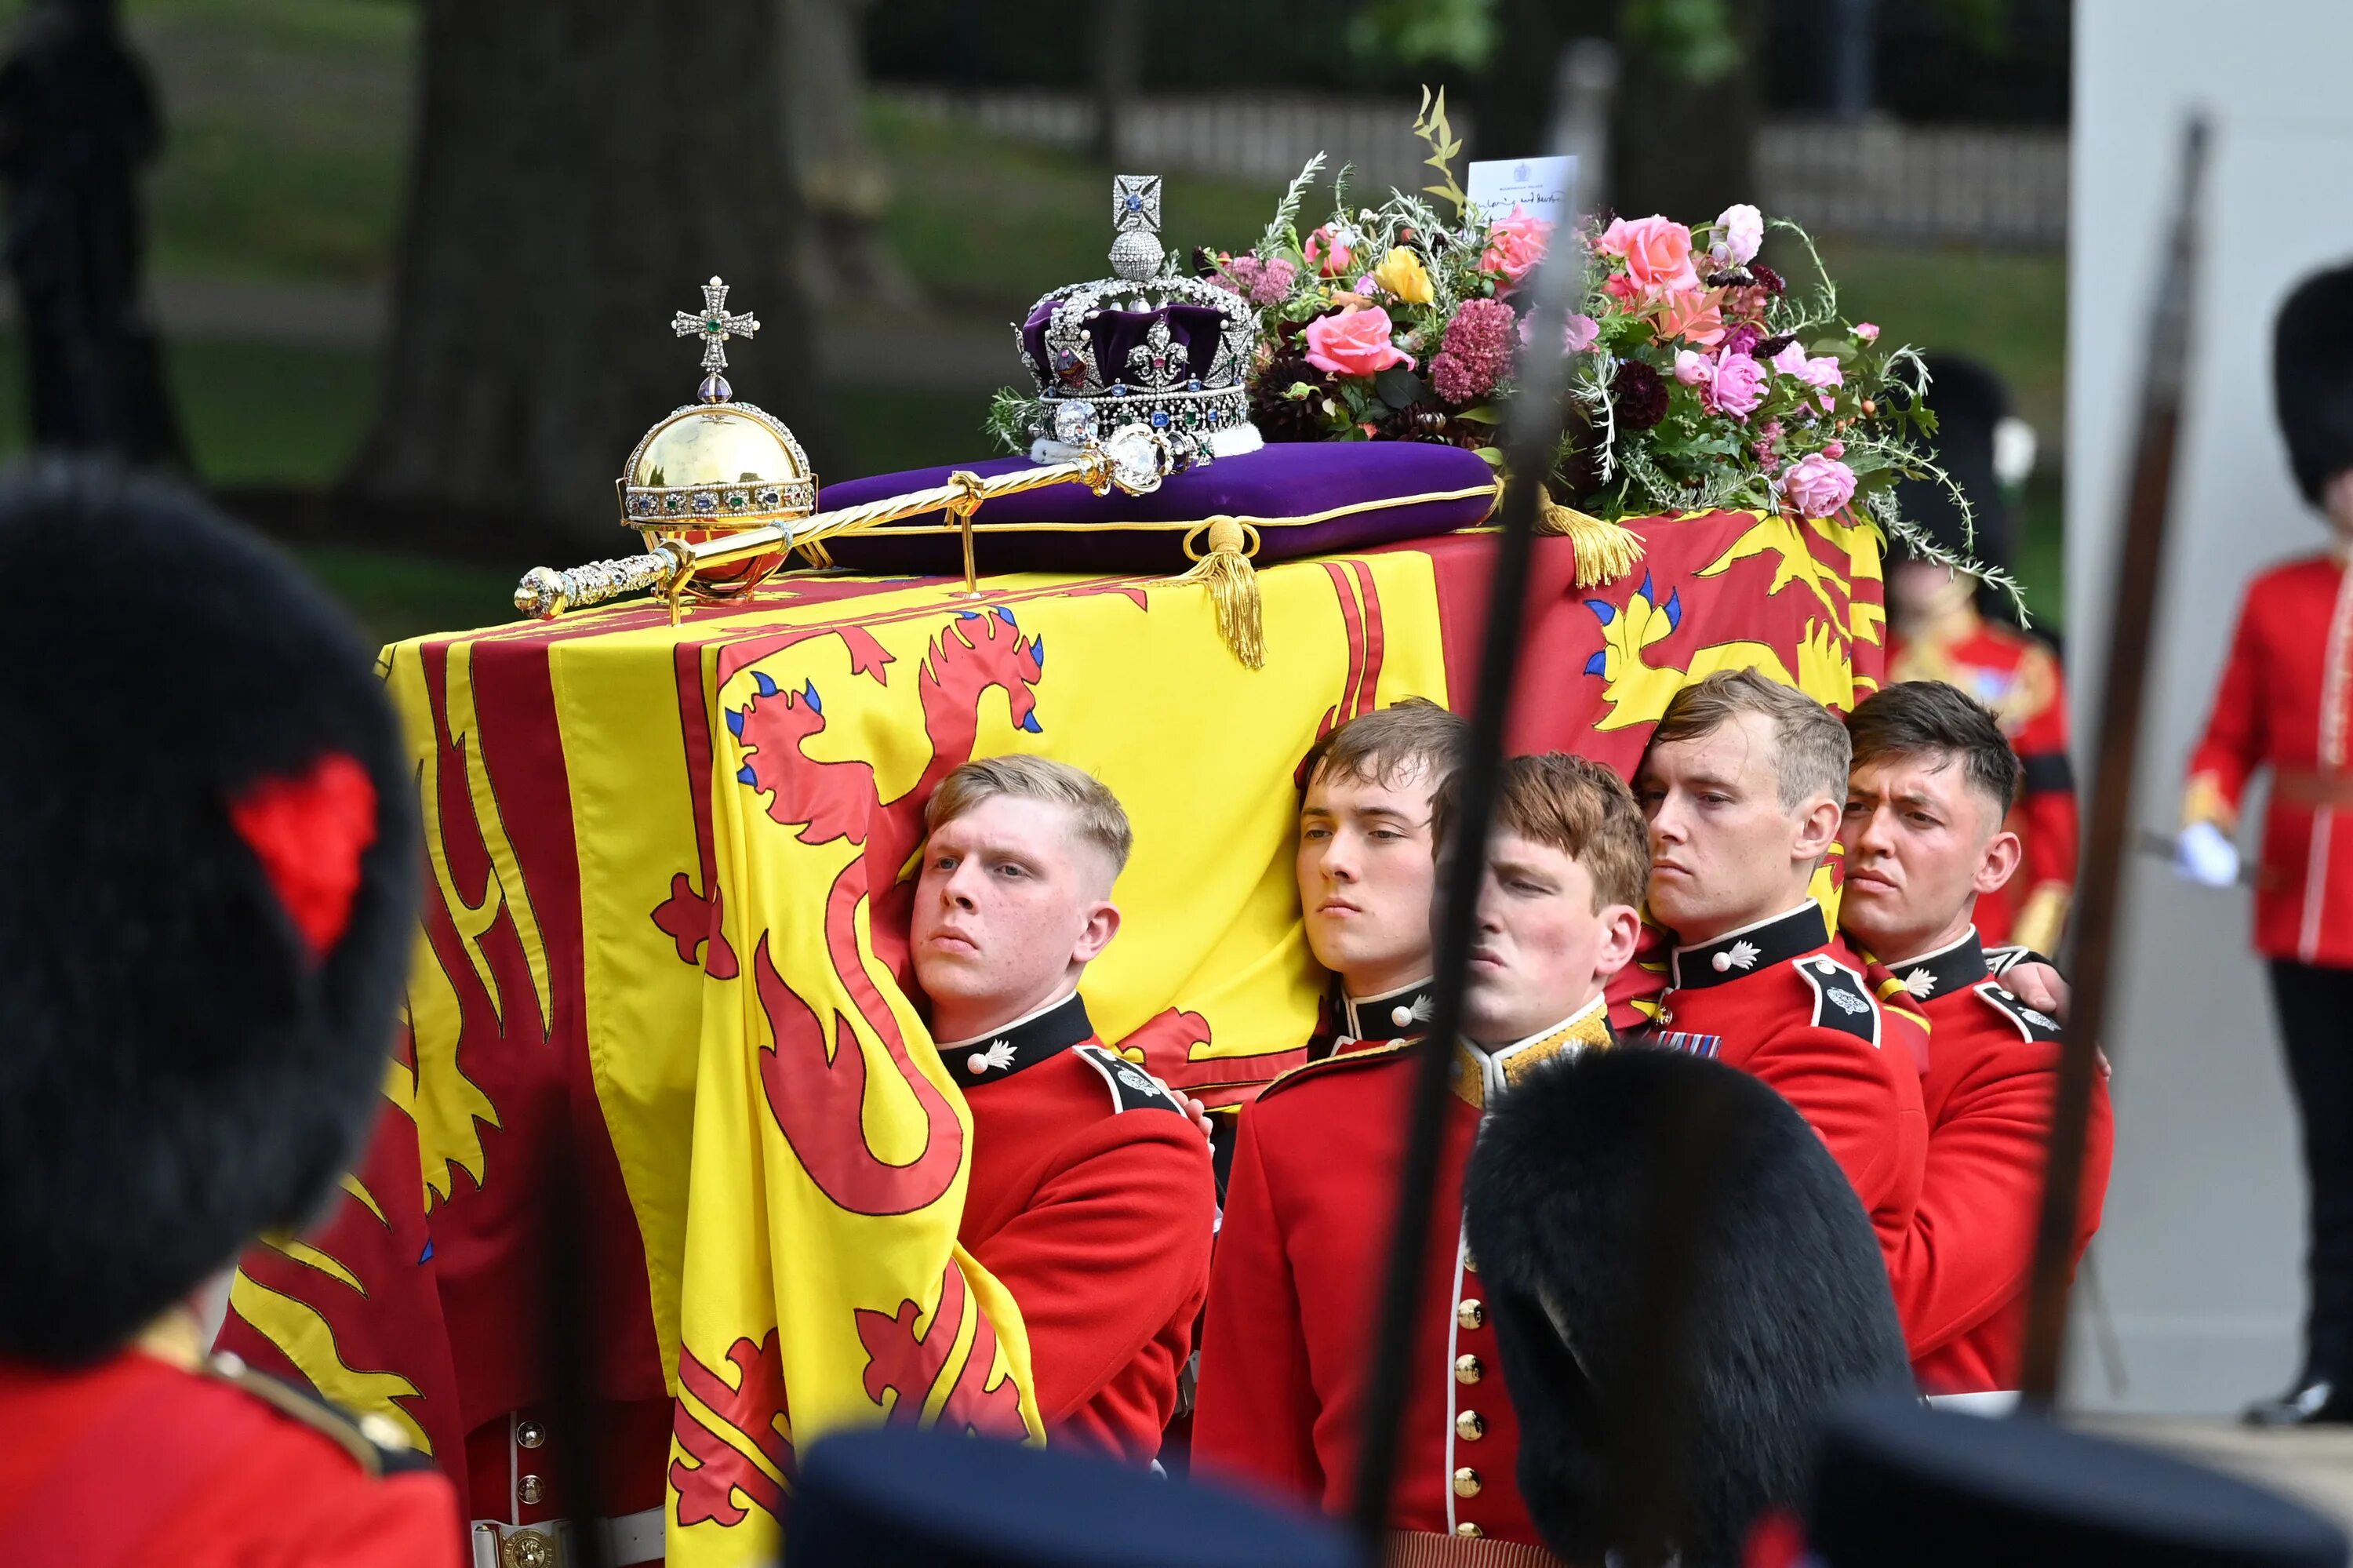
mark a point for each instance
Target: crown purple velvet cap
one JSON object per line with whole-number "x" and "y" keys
{"x": 1117, "y": 333}
{"x": 1306, "y": 498}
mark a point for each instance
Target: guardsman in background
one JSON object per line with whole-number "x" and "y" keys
{"x": 1938, "y": 632}
{"x": 2285, "y": 702}
{"x": 1294, "y": 1297}
{"x": 1091, "y": 1197}
{"x": 1364, "y": 868}
{"x": 204, "y": 932}
{"x": 1745, "y": 784}
{"x": 1933, "y": 780}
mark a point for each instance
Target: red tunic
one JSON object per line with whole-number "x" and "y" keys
{"x": 138, "y": 1461}
{"x": 1091, "y": 1201}
{"x": 2015, "y": 673}
{"x": 2283, "y": 703}
{"x": 1296, "y": 1296}
{"x": 1961, "y": 1276}
{"x": 1783, "y": 1001}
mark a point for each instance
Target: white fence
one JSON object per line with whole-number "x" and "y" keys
{"x": 1925, "y": 182}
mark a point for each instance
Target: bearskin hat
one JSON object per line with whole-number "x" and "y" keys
{"x": 1970, "y": 402}
{"x": 210, "y": 879}
{"x": 2310, "y": 386}
{"x": 1585, "y": 1183}
{"x": 1939, "y": 1488}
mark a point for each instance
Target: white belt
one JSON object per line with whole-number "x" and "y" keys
{"x": 1986, "y": 1401}
{"x": 631, "y": 1537}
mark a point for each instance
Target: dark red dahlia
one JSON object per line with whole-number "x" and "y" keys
{"x": 1640, "y": 395}
{"x": 1773, "y": 345}
{"x": 1280, "y": 417}
{"x": 1767, "y": 277}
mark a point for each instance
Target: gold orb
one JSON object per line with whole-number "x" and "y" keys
{"x": 712, "y": 469}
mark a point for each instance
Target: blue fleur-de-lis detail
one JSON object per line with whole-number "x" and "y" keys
{"x": 808, "y": 695}
{"x": 734, "y": 722}
{"x": 760, "y": 681}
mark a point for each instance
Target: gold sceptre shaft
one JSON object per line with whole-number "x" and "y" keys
{"x": 1132, "y": 458}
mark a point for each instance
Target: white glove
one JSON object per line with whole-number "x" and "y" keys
{"x": 2205, "y": 854}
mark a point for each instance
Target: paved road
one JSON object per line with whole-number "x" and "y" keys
{"x": 2316, "y": 1467}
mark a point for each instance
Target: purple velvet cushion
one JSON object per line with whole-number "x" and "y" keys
{"x": 1306, "y": 498}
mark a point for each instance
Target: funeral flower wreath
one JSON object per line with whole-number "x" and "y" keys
{"x": 1700, "y": 378}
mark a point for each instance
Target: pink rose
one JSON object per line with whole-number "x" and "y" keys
{"x": 1354, "y": 344}
{"x": 1657, "y": 251}
{"x": 1865, "y": 330}
{"x": 1738, "y": 385}
{"x": 1833, "y": 449}
{"x": 1817, "y": 486}
{"x": 1578, "y": 333}
{"x": 1693, "y": 369}
{"x": 1821, "y": 370}
{"x": 1516, "y": 243}
{"x": 1739, "y": 230}
{"x": 1328, "y": 253}
{"x": 1693, "y": 317}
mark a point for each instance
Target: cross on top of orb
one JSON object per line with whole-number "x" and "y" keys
{"x": 714, "y": 325}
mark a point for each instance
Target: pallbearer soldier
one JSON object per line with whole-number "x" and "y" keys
{"x": 2285, "y": 702}
{"x": 1744, "y": 784}
{"x": 1937, "y": 634}
{"x": 1933, "y": 780}
{"x": 1364, "y": 868}
{"x": 1293, "y": 1308}
{"x": 1091, "y": 1197}
{"x": 204, "y": 930}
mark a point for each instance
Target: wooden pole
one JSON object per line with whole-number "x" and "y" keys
{"x": 2140, "y": 552}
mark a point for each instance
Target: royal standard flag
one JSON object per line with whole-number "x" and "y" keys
{"x": 667, "y": 929}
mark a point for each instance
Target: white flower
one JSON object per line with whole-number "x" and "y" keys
{"x": 1742, "y": 228}
{"x": 1920, "y": 982}
{"x": 1742, "y": 955}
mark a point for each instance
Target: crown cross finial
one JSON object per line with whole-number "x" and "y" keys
{"x": 714, "y": 325}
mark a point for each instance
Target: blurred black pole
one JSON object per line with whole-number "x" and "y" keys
{"x": 78, "y": 122}
{"x": 2140, "y": 552}
{"x": 1580, "y": 115}
{"x": 569, "y": 1373}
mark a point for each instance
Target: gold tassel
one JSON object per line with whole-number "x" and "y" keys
{"x": 1605, "y": 551}
{"x": 1226, "y": 571}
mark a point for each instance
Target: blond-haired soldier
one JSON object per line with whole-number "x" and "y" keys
{"x": 1098, "y": 1220}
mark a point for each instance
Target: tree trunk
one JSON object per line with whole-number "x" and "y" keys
{"x": 845, "y": 186}
{"x": 581, "y": 166}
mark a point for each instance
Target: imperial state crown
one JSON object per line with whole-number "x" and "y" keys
{"x": 1145, "y": 345}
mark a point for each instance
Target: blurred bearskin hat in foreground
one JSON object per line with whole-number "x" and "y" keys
{"x": 210, "y": 876}
{"x": 2312, "y": 377}
{"x": 1937, "y": 1488}
{"x": 1683, "y": 1282}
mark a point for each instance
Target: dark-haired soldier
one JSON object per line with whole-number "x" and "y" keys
{"x": 1933, "y": 781}
{"x": 203, "y": 927}
{"x": 2285, "y": 702}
